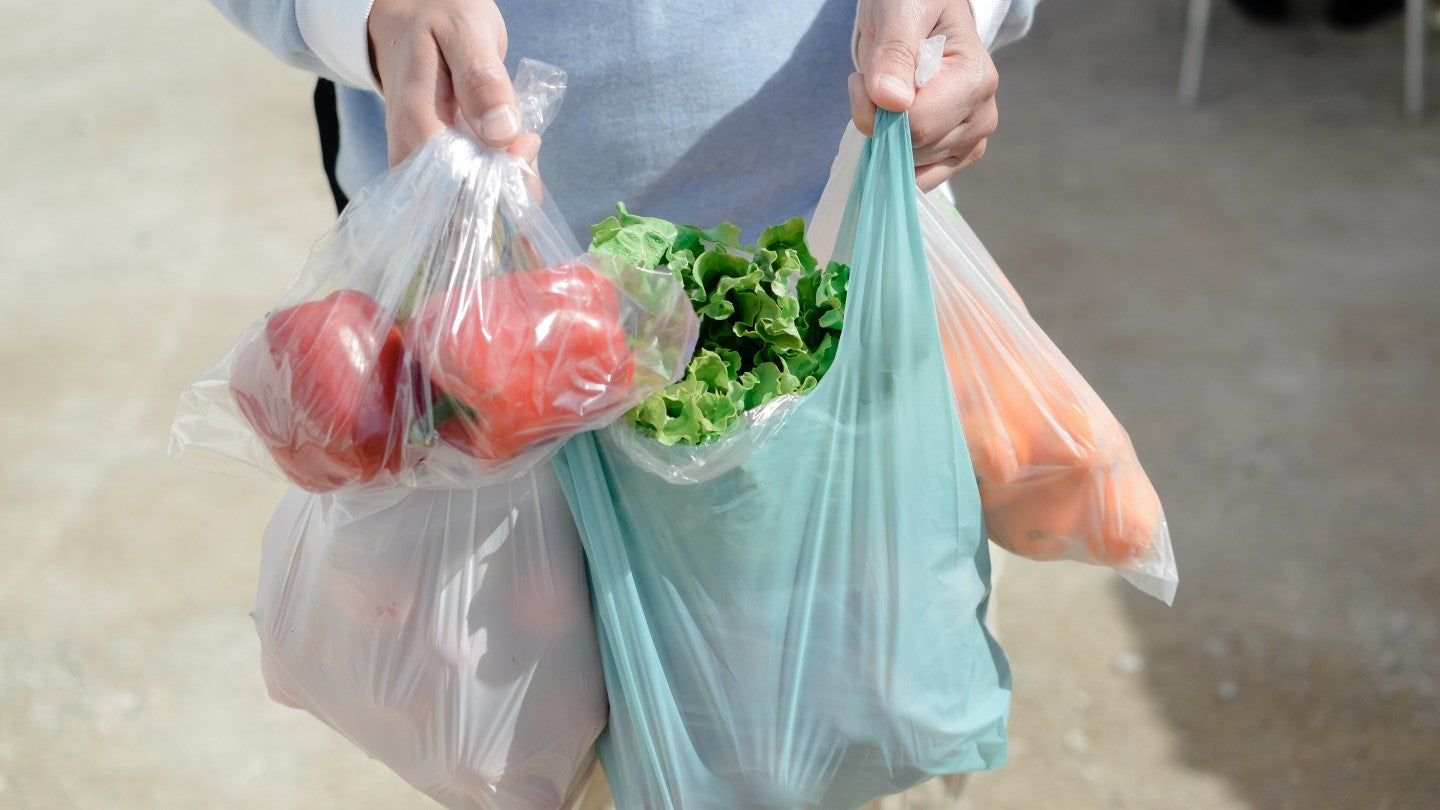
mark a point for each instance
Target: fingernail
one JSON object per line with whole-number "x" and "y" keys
{"x": 898, "y": 86}
{"x": 500, "y": 123}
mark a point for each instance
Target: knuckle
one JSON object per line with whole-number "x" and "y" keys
{"x": 432, "y": 21}
{"x": 985, "y": 75}
{"x": 980, "y": 75}
{"x": 986, "y": 125}
{"x": 893, "y": 51}
{"x": 970, "y": 159}
{"x": 922, "y": 131}
{"x": 988, "y": 80}
{"x": 481, "y": 80}
{"x": 476, "y": 25}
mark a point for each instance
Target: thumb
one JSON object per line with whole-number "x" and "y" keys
{"x": 890, "y": 74}
{"x": 474, "y": 54}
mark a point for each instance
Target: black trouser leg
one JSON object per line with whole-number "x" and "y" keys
{"x": 327, "y": 119}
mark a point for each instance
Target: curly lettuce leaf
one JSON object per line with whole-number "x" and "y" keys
{"x": 770, "y": 318}
{"x": 643, "y": 241}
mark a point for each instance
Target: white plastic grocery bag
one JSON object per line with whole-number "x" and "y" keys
{"x": 1059, "y": 478}
{"x": 447, "y": 633}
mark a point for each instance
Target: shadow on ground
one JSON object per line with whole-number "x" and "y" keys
{"x": 1253, "y": 287}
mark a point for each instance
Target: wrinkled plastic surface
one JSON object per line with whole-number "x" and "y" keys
{"x": 804, "y": 630}
{"x": 927, "y": 63}
{"x": 447, "y": 332}
{"x": 698, "y": 463}
{"x": 1059, "y": 477}
{"x": 447, "y": 633}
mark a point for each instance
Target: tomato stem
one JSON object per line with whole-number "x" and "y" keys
{"x": 425, "y": 433}
{"x": 411, "y": 296}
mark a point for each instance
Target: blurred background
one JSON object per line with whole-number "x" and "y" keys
{"x": 1252, "y": 284}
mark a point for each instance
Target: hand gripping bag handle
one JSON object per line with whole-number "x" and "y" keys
{"x": 464, "y": 335}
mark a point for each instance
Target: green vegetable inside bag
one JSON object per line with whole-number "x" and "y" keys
{"x": 804, "y": 630}
{"x": 770, "y": 318}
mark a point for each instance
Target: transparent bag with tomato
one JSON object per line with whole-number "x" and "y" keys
{"x": 448, "y": 331}
{"x": 1059, "y": 478}
{"x": 447, "y": 633}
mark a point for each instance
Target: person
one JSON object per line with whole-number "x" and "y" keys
{"x": 692, "y": 111}
{"x": 697, "y": 111}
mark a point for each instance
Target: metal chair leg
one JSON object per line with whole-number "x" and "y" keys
{"x": 1192, "y": 57}
{"x": 1415, "y": 24}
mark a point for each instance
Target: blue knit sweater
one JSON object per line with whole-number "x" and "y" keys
{"x": 693, "y": 110}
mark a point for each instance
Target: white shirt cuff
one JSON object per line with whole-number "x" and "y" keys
{"x": 338, "y": 32}
{"x": 989, "y": 15}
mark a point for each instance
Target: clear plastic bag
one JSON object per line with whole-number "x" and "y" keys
{"x": 1058, "y": 476}
{"x": 447, "y": 332}
{"x": 804, "y": 630}
{"x": 447, "y": 633}
{"x": 698, "y": 463}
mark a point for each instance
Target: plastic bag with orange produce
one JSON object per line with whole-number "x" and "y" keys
{"x": 1059, "y": 478}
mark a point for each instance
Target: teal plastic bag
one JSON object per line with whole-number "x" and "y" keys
{"x": 805, "y": 630}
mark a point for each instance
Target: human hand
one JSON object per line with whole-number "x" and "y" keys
{"x": 441, "y": 63}
{"x": 954, "y": 114}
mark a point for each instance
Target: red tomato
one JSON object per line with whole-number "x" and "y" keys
{"x": 318, "y": 385}
{"x": 534, "y": 354}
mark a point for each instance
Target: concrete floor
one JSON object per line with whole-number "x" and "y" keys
{"x": 1253, "y": 286}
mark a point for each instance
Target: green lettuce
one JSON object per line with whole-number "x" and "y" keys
{"x": 770, "y": 318}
